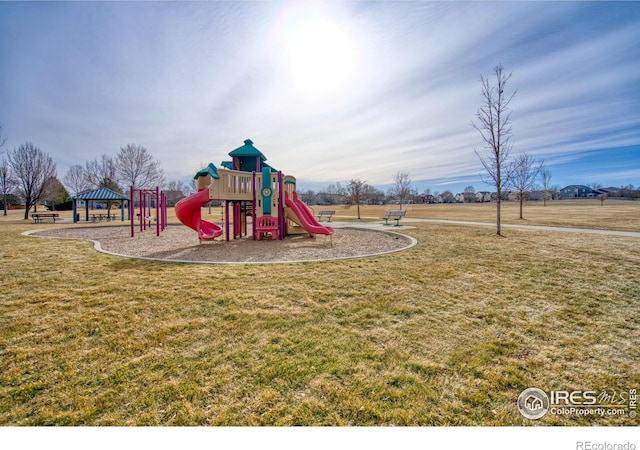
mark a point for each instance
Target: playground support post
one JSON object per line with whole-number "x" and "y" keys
{"x": 157, "y": 211}
{"x": 132, "y": 207}
{"x": 253, "y": 207}
{"x": 145, "y": 202}
{"x": 163, "y": 211}
{"x": 226, "y": 219}
{"x": 237, "y": 227}
{"x": 281, "y": 217}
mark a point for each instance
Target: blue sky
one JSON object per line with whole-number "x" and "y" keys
{"x": 328, "y": 91}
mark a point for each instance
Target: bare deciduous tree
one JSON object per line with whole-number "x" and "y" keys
{"x": 469, "y": 194}
{"x": 3, "y": 137}
{"x": 401, "y": 188}
{"x": 595, "y": 185}
{"x": 7, "y": 182}
{"x": 493, "y": 122}
{"x": 545, "y": 179}
{"x": 136, "y": 167}
{"x": 602, "y": 197}
{"x": 75, "y": 180}
{"x": 524, "y": 173}
{"x": 32, "y": 168}
{"x": 177, "y": 185}
{"x": 175, "y": 191}
{"x": 101, "y": 173}
{"x": 358, "y": 191}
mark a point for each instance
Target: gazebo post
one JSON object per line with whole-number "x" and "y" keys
{"x": 102, "y": 194}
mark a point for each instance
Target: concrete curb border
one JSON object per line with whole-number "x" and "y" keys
{"x": 98, "y": 247}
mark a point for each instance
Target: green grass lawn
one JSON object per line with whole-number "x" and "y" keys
{"x": 446, "y": 333}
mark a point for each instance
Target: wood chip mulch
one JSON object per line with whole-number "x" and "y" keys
{"x": 179, "y": 243}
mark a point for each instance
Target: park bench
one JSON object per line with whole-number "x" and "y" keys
{"x": 39, "y": 217}
{"x": 322, "y": 214}
{"x": 395, "y": 215}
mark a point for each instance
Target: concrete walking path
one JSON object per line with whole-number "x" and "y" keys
{"x": 634, "y": 234}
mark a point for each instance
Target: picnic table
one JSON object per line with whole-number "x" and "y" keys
{"x": 101, "y": 217}
{"x": 39, "y": 217}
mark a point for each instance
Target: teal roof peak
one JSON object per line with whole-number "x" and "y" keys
{"x": 210, "y": 170}
{"x": 247, "y": 150}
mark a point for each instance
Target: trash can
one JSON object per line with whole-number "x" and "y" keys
{"x": 78, "y": 217}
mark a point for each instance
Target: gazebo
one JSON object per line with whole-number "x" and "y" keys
{"x": 99, "y": 195}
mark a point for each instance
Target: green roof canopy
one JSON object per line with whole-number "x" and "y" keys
{"x": 99, "y": 194}
{"x": 210, "y": 170}
{"x": 247, "y": 150}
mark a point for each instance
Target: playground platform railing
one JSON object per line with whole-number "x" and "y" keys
{"x": 237, "y": 185}
{"x": 232, "y": 185}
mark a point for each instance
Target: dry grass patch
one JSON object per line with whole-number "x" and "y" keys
{"x": 614, "y": 215}
{"x": 446, "y": 333}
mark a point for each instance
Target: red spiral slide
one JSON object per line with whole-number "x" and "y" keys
{"x": 188, "y": 211}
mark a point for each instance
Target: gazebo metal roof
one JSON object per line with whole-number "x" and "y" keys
{"x": 102, "y": 194}
{"x": 99, "y": 194}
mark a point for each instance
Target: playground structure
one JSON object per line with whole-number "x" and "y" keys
{"x": 249, "y": 187}
{"x": 148, "y": 200}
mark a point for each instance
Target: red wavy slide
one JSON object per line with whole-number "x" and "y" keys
{"x": 305, "y": 216}
{"x": 188, "y": 211}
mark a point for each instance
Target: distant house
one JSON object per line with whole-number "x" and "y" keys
{"x": 459, "y": 198}
{"x": 446, "y": 197}
{"x": 428, "y": 198}
{"x": 469, "y": 197}
{"x": 624, "y": 192}
{"x": 536, "y": 195}
{"x": 515, "y": 196}
{"x": 575, "y": 191}
{"x": 483, "y": 196}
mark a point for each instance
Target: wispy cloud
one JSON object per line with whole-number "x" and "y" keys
{"x": 190, "y": 81}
